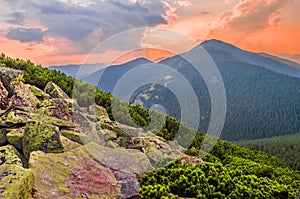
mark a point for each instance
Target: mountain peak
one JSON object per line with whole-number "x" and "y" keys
{"x": 215, "y": 43}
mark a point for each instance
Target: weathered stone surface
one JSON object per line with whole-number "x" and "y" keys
{"x": 41, "y": 95}
{"x": 10, "y": 78}
{"x": 15, "y": 136}
{"x": 55, "y": 91}
{"x": 75, "y": 136}
{"x": 23, "y": 97}
{"x": 157, "y": 149}
{"x": 59, "y": 108}
{"x": 3, "y": 97}
{"x": 3, "y": 138}
{"x": 100, "y": 113}
{"x": 40, "y": 136}
{"x": 9, "y": 155}
{"x": 15, "y": 181}
{"x": 126, "y": 164}
{"x": 77, "y": 175}
{"x": 69, "y": 144}
{"x": 15, "y": 118}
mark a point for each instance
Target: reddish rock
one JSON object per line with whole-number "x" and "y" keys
{"x": 91, "y": 180}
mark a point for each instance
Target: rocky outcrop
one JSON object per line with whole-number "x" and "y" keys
{"x": 69, "y": 151}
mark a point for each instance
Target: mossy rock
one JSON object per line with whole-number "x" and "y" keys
{"x": 41, "y": 95}
{"x": 10, "y": 78}
{"x": 79, "y": 138}
{"x": 9, "y": 155}
{"x": 41, "y": 136}
{"x": 44, "y": 116}
{"x": 100, "y": 113}
{"x": 14, "y": 118}
{"x": 15, "y": 182}
{"x": 15, "y": 136}
{"x": 55, "y": 91}
{"x": 3, "y": 139}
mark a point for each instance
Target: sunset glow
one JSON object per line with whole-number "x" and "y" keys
{"x": 64, "y": 32}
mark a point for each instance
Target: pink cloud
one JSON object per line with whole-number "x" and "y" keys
{"x": 249, "y": 16}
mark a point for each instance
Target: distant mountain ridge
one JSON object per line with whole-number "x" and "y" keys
{"x": 263, "y": 91}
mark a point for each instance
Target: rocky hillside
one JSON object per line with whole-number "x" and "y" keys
{"x": 46, "y": 153}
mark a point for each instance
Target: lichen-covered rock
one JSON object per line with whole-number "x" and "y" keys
{"x": 15, "y": 181}
{"x": 10, "y": 78}
{"x": 15, "y": 118}
{"x": 159, "y": 151}
{"x": 15, "y": 136}
{"x": 69, "y": 144}
{"x": 75, "y": 136}
{"x": 3, "y": 97}
{"x": 41, "y": 136}
{"x": 100, "y": 113}
{"x": 55, "y": 91}
{"x": 77, "y": 175}
{"x": 127, "y": 165}
{"x": 41, "y": 95}
{"x": 3, "y": 138}
{"x": 23, "y": 97}
{"x": 59, "y": 108}
{"x": 9, "y": 155}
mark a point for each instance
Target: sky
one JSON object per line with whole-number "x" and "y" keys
{"x": 59, "y": 32}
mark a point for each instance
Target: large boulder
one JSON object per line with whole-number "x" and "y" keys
{"x": 55, "y": 91}
{"x": 41, "y": 136}
{"x": 20, "y": 93}
{"x": 127, "y": 165}
{"x": 77, "y": 175}
{"x": 15, "y": 181}
{"x": 23, "y": 96}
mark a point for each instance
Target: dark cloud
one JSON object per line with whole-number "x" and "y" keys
{"x": 16, "y": 18}
{"x": 77, "y": 23}
{"x": 26, "y": 35}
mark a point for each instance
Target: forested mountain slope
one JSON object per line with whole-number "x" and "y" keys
{"x": 43, "y": 157}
